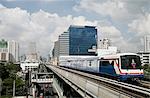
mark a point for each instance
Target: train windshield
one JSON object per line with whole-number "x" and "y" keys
{"x": 130, "y": 62}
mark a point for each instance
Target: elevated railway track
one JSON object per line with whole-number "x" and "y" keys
{"x": 145, "y": 84}
{"x": 93, "y": 86}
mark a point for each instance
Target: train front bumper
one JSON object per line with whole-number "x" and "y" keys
{"x": 130, "y": 77}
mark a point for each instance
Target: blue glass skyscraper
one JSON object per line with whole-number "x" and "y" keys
{"x": 81, "y": 39}
{"x": 78, "y": 40}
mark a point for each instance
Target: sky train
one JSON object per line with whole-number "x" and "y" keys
{"x": 122, "y": 66}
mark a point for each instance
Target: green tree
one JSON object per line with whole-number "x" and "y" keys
{"x": 8, "y": 73}
{"x": 3, "y": 73}
{"x": 146, "y": 68}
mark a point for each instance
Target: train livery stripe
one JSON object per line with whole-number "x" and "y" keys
{"x": 119, "y": 69}
{"x": 133, "y": 73}
{"x": 116, "y": 69}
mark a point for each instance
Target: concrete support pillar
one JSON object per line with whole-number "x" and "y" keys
{"x": 34, "y": 91}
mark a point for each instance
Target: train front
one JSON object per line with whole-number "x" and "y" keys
{"x": 130, "y": 67}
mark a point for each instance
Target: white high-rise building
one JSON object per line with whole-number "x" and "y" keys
{"x": 13, "y": 49}
{"x": 145, "y": 55}
{"x": 147, "y": 43}
{"x": 4, "y": 54}
{"x": 32, "y": 53}
{"x": 31, "y": 62}
{"x": 104, "y": 47}
{"x": 64, "y": 44}
{"x": 9, "y": 51}
{"x": 104, "y": 43}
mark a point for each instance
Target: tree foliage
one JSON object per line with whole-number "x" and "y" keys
{"x": 146, "y": 68}
{"x": 8, "y": 73}
{"x": 3, "y": 71}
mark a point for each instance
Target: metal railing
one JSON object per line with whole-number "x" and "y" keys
{"x": 42, "y": 80}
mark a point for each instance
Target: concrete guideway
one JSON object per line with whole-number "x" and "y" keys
{"x": 107, "y": 88}
{"x": 86, "y": 87}
{"x": 58, "y": 89}
{"x": 145, "y": 84}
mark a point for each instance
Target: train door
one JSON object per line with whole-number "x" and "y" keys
{"x": 107, "y": 67}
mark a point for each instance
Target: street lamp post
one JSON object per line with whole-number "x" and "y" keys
{"x": 0, "y": 86}
{"x": 14, "y": 83}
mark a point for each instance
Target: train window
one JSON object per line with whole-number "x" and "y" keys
{"x": 130, "y": 62}
{"x": 90, "y": 63}
{"x": 105, "y": 63}
{"x": 108, "y": 62}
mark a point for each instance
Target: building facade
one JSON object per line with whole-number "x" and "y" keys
{"x": 145, "y": 57}
{"x": 78, "y": 40}
{"x": 4, "y": 54}
{"x": 81, "y": 39}
{"x": 32, "y": 55}
{"x": 147, "y": 43}
{"x": 9, "y": 51}
{"x": 64, "y": 44}
{"x": 55, "y": 52}
{"x": 13, "y": 48}
{"x": 29, "y": 65}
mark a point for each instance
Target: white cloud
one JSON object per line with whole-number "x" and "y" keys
{"x": 41, "y": 27}
{"x": 115, "y": 36}
{"x": 121, "y": 14}
{"x": 1, "y": 6}
{"x": 141, "y": 25}
{"x": 118, "y": 10}
{"x": 30, "y": 0}
{"x": 114, "y": 8}
{"x": 140, "y": 28}
{"x": 117, "y": 39}
{"x": 44, "y": 28}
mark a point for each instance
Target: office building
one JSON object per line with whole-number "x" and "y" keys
{"x": 145, "y": 57}
{"x": 64, "y": 44}
{"x": 81, "y": 39}
{"x": 32, "y": 60}
{"x": 9, "y": 51}
{"x": 147, "y": 43}
{"x": 32, "y": 55}
{"x": 13, "y": 48}
{"x": 78, "y": 40}
{"x": 104, "y": 43}
{"x": 55, "y": 52}
{"x": 4, "y": 54}
{"x": 105, "y": 47}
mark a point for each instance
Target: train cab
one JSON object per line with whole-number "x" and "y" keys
{"x": 130, "y": 67}
{"x": 122, "y": 66}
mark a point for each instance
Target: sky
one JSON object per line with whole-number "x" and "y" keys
{"x": 124, "y": 22}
